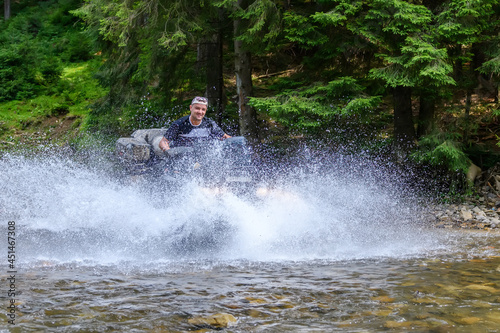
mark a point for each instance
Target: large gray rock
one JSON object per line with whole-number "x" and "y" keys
{"x": 131, "y": 149}
{"x": 466, "y": 214}
{"x": 149, "y": 135}
{"x": 141, "y": 145}
{"x": 152, "y": 136}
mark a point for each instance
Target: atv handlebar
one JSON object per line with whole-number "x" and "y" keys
{"x": 176, "y": 151}
{"x": 232, "y": 142}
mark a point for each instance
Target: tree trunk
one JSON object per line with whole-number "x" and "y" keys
{"x": 455, "y": 52}
{"x": 495, "y": 85}
{"x": 213, "y": 74}
{"x": 6, "y": 9}
{"x": 426, "y": 114}
{"x": 243, "y": 71}
{"x": 468, "y": 103}
{"x": 220, "y": 67}
{"x": 404, "y": 130}
{"x": 209, "y": 60}
{"x": 214, "y": 70}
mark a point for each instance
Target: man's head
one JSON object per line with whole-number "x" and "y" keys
{"x": 200, "y": 100}
{"x": 198, "y": 109}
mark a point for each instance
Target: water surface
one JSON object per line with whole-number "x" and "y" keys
{"x": 322, "y": 251}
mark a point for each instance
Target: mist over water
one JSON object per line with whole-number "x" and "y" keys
{"x": 70, "y": 212}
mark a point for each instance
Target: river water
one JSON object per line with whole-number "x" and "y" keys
{"x": 330, "y": 249}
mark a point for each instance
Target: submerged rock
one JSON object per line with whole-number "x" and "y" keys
{"x": 216, "y": 321}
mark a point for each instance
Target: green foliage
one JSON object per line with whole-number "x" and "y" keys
{"x": 296, "y": 112}
{"x": 492, "y": 49}
{"x": 264, "y": 22}
{"x": 463, "y": 21}
{"x": 342, "y": 56}
{"x": 149, "y": 47}
{"x": 419, "y": 62}
{"x": 314, "y": 108}
{"x": 441, "y": 150}
{"x": 408, "y": 51}
{"x": 260, "y": 22}
{"x": 77, "y": 89}
{"x": 31, "y": 43}
{"x": 173, "y": 24}
{"x": 299, "y": 29}
{"x": 110, "y": 18}
{"x": 17, "y": 72}
{"x": 467, "y": 29}
{"x": 19, "y": 56}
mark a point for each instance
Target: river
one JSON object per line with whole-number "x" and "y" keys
{"x": 321, "y": 251}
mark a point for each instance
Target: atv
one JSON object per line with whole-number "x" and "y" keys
{"x": 219, "y": 165}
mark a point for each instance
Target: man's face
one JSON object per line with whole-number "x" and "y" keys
{"x": 197, "y": 111}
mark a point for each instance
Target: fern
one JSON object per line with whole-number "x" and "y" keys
{"x": 437, "y": 150}
{"x": 315, "y": 107}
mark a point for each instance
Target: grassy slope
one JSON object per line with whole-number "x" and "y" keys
{"x": 47, "y": 67}
{"x": 53, "y": 118}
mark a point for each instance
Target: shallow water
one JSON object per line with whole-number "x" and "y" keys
{"x": 450, "y": 292}
{"x": 317, "y": 254}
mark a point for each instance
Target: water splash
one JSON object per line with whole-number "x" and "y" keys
{"x": 66, "y": 211}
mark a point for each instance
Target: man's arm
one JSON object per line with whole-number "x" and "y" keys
{"x": 218, "y": 132}
{"x": 171, "y": 133}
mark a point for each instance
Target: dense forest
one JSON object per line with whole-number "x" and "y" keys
{"x": 416, "y": 78}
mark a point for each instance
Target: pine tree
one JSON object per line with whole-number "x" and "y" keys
{"x": 407, "y": 55}
{"x": 466, "y": 28}
{"x": 256, "y": 24}
{"x": 152, "y": 47}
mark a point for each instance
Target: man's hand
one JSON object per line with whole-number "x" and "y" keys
{"x": 164, "y": 145}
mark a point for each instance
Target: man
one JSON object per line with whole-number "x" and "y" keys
{"x": 193, "y": 128}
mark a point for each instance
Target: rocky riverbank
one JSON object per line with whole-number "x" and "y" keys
{"x": 478, "y": 211}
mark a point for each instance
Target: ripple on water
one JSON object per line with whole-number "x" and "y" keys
{"x": 453, "y": 291}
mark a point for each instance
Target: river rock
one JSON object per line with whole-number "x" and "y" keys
{"x": 482, "y": 287}
{"x": 383, "y": 299}
{"x": 216, "y": 321}
{"x": 466, "y": 214}
{"x": 479, "y": 211}
{"x": 468, "y": 320}
{"x": 473, "y": 172}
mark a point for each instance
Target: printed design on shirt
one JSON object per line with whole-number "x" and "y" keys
{"x": 197, "y": 133}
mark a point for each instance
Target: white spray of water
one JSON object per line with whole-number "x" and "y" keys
{"x": 68, "y": 212}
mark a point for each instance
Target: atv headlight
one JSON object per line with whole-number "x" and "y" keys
{"x": 213, "y": 191}
{"x": 262, "y": 191}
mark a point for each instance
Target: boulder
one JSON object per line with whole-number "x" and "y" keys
{"x": 141, "y": 145}
{"x": 133, "y": 149}
{"x": 152, "y": 136}
{"x": 466, "y": 215}
{"x": 473, "y": 173}
{"x": 216, "y": 321}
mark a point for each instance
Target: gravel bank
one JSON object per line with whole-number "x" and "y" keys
{"x": 478, "y": 211}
